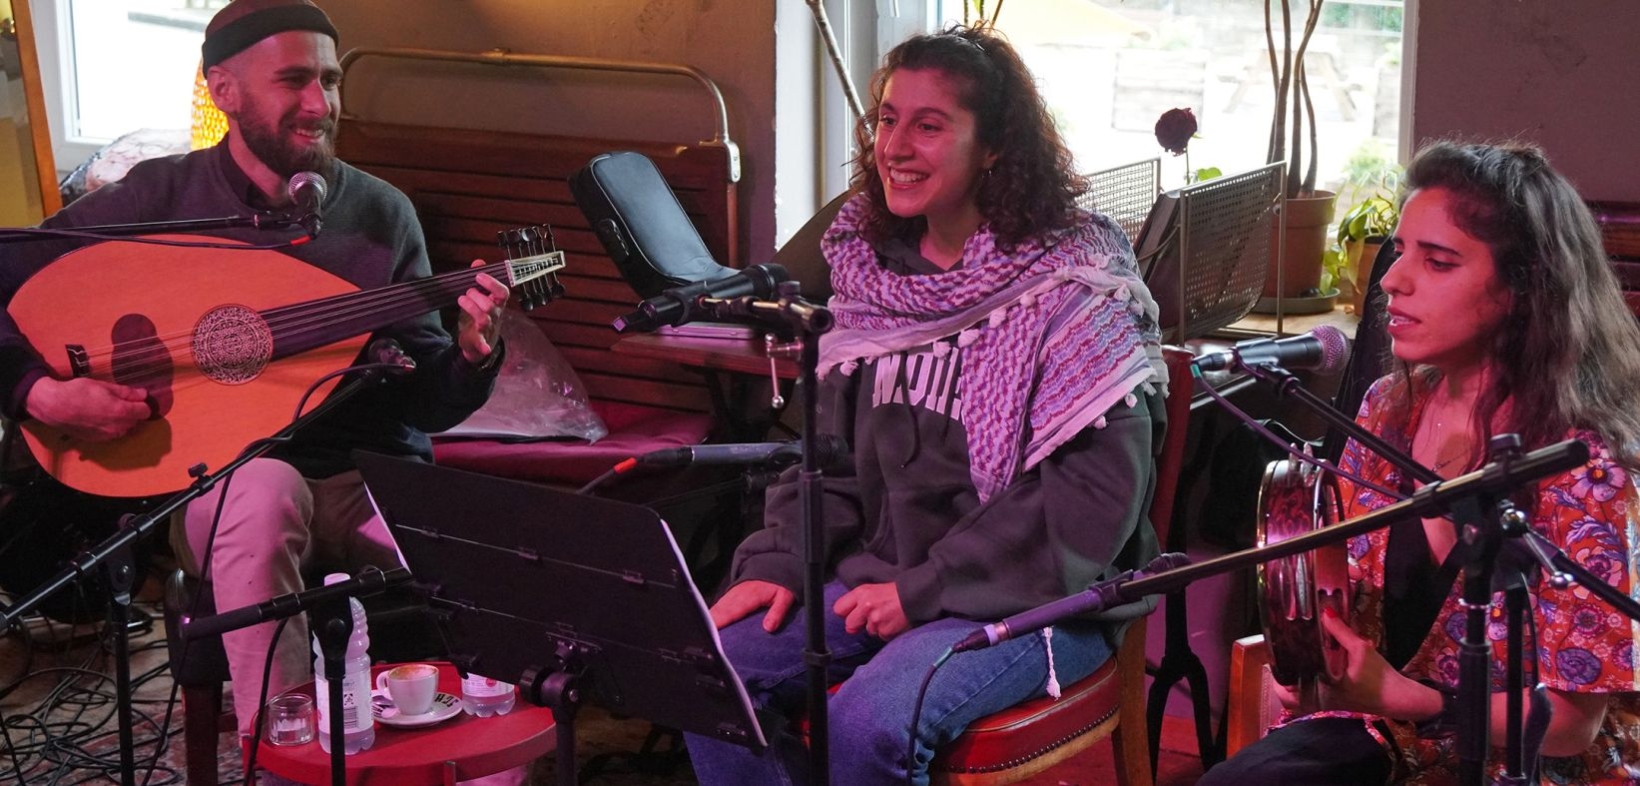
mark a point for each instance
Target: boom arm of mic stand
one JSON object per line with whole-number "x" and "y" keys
{"x": 1431, "y": 500}
{"x": 1555, "y": 561}
{"x": 257, "y": 221}
{"x": 291, "y": 604}
{"x": 1286, "y": 384}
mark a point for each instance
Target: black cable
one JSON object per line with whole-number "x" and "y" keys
{"x": 598, "y": 481}
{"x": 699, "y": 493}
{"x": 262, "y": 700}
{"x": 916, "y": 713}
{"x": 61, "y": 745}
{"x": 16, "y": 761}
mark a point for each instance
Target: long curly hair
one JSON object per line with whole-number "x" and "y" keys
{"x": 1032, "y": 187}
{"x": 1568, "y": 354}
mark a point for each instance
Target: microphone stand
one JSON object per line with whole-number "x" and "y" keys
{"x": 809, "y": 322}
{"x": 114, "y": 558}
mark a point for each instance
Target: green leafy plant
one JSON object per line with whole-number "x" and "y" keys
{"x": 1373, "y": 217}
{"x": 1367, "y": 223}
{"x": 979, "y": 19}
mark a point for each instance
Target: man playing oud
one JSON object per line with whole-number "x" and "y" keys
{"x": 272, "y": 69}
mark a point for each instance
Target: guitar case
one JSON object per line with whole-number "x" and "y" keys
{"x": 642, "y": 225}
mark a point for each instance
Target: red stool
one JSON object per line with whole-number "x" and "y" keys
{"x": 462, "y": 748}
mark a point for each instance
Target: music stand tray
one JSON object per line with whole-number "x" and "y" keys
{"x": 536, "y": 586}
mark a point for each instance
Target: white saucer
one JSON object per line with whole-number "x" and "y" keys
{"x": 445, "y": 707}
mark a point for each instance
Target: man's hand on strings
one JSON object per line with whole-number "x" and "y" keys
{"x": 481, "y": 317}
{"x": 88, "y": 409}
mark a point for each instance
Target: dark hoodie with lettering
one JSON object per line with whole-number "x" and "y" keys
{"x": 905, "y": 511}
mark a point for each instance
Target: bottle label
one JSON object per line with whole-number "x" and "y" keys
{"x": 474, "y": 685}
{"x": 355, "y": 702}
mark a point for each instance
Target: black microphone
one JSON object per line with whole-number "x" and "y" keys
{"x": 1324, "y": 349}
{"x": 679, "y": 305}
{"x": 307, "y": 192}
{"x": 369, "y": 582}
{"x": 387, "y": 352}
{"x": 829, "y": 448}
{"x": 1098, "y": 597}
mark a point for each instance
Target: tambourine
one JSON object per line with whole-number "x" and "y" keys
{"x": 1296, "y": 498}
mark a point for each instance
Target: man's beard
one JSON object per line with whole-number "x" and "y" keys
{"x": 270, "y": 142}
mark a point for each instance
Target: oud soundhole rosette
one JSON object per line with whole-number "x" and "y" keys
{"x": 232, "y": 344}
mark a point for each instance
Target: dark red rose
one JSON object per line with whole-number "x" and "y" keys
{"x": 1174, "y": 129}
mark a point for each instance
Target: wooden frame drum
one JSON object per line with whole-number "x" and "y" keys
{"x": 1294, "y": 499}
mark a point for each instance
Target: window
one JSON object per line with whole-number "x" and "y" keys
{"x": 1110, "y": 68}
{"x": 114, "y": 66}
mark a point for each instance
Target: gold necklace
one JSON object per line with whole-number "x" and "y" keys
{"x": 1440, "y": 464}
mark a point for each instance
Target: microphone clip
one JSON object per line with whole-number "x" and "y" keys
{"x": 387, "y": 355}
{"x": 787, "y": 310}
{"x": 310, "y": 223}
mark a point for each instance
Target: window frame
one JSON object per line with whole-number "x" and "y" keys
{"x": 54, "y": 36}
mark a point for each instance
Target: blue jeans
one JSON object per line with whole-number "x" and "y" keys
{"x": 869, "y": 717}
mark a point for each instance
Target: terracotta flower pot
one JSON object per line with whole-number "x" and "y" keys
{"x": 1307, "y": 220}
{"x": 1365, "y": 253}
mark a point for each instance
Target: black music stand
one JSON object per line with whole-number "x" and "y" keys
{"x": 573, "y": 599}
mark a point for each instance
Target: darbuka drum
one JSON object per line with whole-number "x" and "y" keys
{"x": 1294, "y": 499}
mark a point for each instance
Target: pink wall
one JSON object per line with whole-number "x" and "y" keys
{"x": 1565, "y": 75}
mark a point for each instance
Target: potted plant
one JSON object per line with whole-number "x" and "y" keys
{"x": 1293, "y": 138}
{"x": 1362, "y": 230}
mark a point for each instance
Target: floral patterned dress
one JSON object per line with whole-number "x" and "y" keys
{"x": 1584, "y": 645}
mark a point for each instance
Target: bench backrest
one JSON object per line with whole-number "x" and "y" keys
{"x": 469, "y": 185}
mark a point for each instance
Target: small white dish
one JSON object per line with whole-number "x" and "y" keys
{"x": 445, "y": 707}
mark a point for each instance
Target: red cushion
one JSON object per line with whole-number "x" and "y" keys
{"x": 1024, "y": 731}
{"x": 633, "y": 431}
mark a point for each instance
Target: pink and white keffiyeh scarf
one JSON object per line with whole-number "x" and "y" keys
{"x": 1053, "y": 334}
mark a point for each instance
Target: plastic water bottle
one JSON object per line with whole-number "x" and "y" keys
{"x": 358, "y": 726}
{"x": 484, "y": 697}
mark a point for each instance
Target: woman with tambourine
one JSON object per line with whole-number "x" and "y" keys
{"x": 1505, "y": 316}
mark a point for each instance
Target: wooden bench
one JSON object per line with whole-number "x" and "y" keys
{"x": 1620, "y": 231}
{"x": 468, "y": 185}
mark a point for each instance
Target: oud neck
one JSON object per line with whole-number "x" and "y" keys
{"x": 304, "y": 326}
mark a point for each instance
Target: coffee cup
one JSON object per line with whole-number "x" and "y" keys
{"x": 411, "y": 686}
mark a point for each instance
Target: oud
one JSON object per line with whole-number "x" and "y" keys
{"x": 226, "y": 343}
